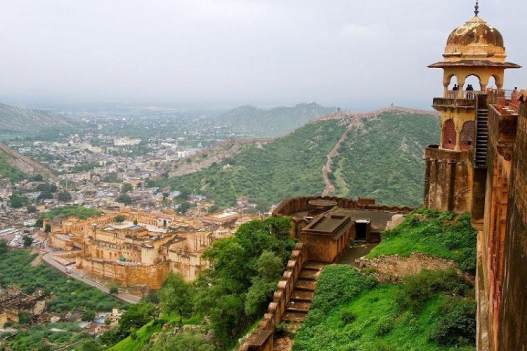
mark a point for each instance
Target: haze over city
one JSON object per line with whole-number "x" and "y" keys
{"x": 355, "y": 54}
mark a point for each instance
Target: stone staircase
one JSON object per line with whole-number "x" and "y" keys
{"x": 482, "y": 137}
{"x": 302, "y": 296}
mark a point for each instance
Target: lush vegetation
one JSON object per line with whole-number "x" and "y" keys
{"x": 384, "y": 158}
{"x": 69, "y": 294}
{"x": 55, "y": 334}
{"x": 8, "y": 170}
{"x": 285, "y": 167}
{"x": 66, "y": 295}
{"x": 440, "y": 234}
{"x": 79, "y": 211}
{"x": 351, "y": 312}
{"x": 231, "y": 296}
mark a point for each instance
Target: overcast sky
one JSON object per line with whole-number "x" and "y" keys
{"x": 358, "y": 54}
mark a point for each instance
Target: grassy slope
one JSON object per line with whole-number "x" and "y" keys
{"x": 19, "y": 120}
{"x": 366, "y": 165}
{"x": 7, "y": 169}
{"x": 384, "y": 159}
{"x": 434, "y": 233}
{"x": 290, "y": 166}
{"x": 443, "y": 235}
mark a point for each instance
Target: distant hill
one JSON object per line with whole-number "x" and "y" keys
{"x": 15, "y": 166}
{"x": 19, "y": 120}
{"x": 255, "y": 122}
{"x": 381, "y": 157}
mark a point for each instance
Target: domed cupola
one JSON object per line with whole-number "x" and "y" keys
{"x": 475, "y": 43}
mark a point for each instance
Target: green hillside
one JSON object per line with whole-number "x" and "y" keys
{"x": 18, "y": 120}
{"x": 288, "y": 166}
{"x": 7, "y": 168}
{"x": 382, "y": 158}
{"x": 253, "y": 121}
{"x": 429, "y": 311}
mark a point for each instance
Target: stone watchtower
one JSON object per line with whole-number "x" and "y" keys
{"x": 474, "y": 49}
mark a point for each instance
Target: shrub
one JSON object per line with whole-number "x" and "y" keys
{"x": 384, "y": 326}
{"x": 347, "y": 317}
{"x": 457, "y": 323}
{"x": 419, "y": 288}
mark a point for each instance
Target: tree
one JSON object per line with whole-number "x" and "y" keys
{"x": 187, "y": 340}
{"x": 126, "y": 187}
{"x": 3, "y": 246}
{"x": 24, "y": 317}
{"x": 37, "y": 178}
{"x": 124, "y": 198}
{"x": 119, "y": 218}
{"x": 28, "y": 240}
{"x": 45, "y": 195}
{"x": 31, "y": 209}
{"x": 114, "y": 290}
{"x": 135, "y": 222}
{"x": 88, "y": 316}
{"x": 17, "y": 201}
{"x": 184, "y": 207}
{"x": 176, "y": 296}
{"x": 64, "y": 196}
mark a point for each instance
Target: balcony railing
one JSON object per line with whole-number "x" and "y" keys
{"x": 460, "y": 95}
{"x": 461, "y": 103}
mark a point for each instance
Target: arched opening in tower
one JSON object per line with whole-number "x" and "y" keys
{"x": 449, "y": 135}
{"x": 472, "y": 85}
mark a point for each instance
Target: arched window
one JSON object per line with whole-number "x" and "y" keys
{"x": 472, "y": 85}
{"x": 449, "y": 135}
{"x": 467, "y": 135}
{"x": 453, "y": 89}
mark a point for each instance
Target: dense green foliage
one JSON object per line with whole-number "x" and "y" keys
{"x": 70, "y": 294}
{"x": 380, "y": 159}
{"x": 62, "y": 334}
{"x": 79, "y": 211}
{"x": 186, "y": 341}
{"x": 233, "y": 294}
{"x": 361, "y": 315}
{"x": 7, "y": 168}
{"x": 285, "y": 167}
{"x": 256, "y": 122}
{"x": 384, "y": 159}
{"x": 440, "y": 234}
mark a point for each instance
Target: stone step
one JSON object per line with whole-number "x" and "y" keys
{"x": 313, "y": 265}
{"x": 302, "y": 295}
{"x": 295, "y": 317}
{"x": 309, "y": 274}
{"x": 306, "y": 285}
{"x": 298, "y": 306}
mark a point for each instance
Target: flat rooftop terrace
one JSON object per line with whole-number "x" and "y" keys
{"x": 379, "y": 219}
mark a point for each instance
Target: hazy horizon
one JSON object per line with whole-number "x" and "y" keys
{"x": 225, "y": 53}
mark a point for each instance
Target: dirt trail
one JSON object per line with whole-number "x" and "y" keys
{"x": 355, "y": 123}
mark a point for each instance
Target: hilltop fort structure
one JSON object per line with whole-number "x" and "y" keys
{"x": 137, "y": 248}
{"x": 480, "y": 166}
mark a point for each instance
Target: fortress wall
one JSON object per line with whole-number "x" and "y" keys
{"x": 301, "y": 204}
{"x": 153, "y": 276}
{"x": 448, "y": 180}
{"x": 514, "y": 307}
{"x": 261, "y": 338}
